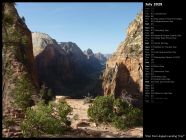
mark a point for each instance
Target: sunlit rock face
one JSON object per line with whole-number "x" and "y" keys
{"x": 124, "y": 69}
{"x": 40, "y": 41}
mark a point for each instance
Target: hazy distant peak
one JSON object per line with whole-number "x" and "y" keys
{"x": 88, "y": 52}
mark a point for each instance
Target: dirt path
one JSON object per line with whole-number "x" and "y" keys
{"x": 82, "y": 124}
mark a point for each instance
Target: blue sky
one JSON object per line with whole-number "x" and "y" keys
{"x": 99, "y": 26}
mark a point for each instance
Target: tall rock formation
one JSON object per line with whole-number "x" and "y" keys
{"x": 87, "y": 69}
{"x": 19, "y": 80}
{"x": 124, "y": 69}
{"x": 63, "y": 67}
{"x": 17, "y": 53}
{"x": 53, "y": 65}
{"x": 76, "y": 57}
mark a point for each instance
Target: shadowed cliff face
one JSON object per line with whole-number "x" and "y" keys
{"x": 51, "y": 63}
{"x": 92, "y": 60}
{"x": 124, "y": 69}
{"x": 17, "y": 53}
{"x": 64, "y": 67}
{"x": 123, "y": 79}
{"x": 80, "y": 61}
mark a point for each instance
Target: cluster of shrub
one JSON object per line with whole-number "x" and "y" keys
{"x": 46, "y": 117}
{"x": 117, "y": 112}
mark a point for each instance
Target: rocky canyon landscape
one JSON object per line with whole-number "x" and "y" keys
{"x": 54, "y": 89}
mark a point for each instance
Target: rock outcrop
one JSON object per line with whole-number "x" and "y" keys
{"x": 40, "y": 41}
{"x": 17, "y": 51}
{"x": 124, "y": 69}
{"x": 18, "y": 67}
{"x": 54, "y": 68}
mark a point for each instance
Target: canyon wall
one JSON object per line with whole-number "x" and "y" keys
{"x": 123, "y": 75}
{"x": 17, "y": 56}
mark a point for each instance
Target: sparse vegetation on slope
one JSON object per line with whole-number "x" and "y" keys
{"x": 46, "y": 94}
{"x": 107, "y": 109}
{"x": 8, "y": 121}
{"x": 102, "y": 109}
{"x": 46, "y": 119}
{"x": 22, "y": 92}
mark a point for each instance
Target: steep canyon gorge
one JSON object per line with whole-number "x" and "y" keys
{"x": 68, "y": 70}
{"x": 36, "y": 59}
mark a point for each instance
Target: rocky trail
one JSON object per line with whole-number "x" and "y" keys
{"x": 82, "y": 127}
